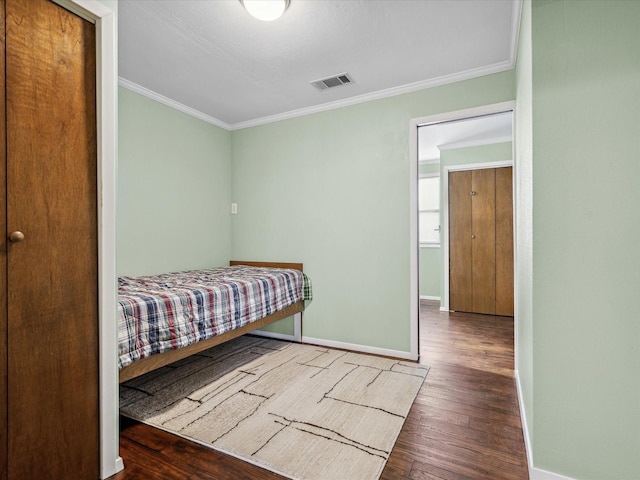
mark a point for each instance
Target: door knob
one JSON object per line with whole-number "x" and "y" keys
{"x": 473, "y": 236}
{"x": 16, "y": 236}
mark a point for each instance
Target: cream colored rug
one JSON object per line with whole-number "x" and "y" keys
{"x": 302, "y": 411}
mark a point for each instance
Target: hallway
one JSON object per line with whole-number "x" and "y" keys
{"x": 465, "y": 422}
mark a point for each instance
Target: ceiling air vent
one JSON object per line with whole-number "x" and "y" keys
{"x": 330, "y": 82}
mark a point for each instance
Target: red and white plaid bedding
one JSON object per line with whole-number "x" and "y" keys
{"x": 166, "y": 312}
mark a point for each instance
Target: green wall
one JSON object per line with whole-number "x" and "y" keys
{"x": 332, "y": 190}
{"x": 174, "y": 189}
{"x": 341, "y": 177}
{"x": 430, "y": 262}
{"x": 583, "y": 386}
{"x": 430, "y": 271}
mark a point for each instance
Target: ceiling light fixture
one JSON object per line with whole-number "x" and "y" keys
{"x": 266, "y": 10}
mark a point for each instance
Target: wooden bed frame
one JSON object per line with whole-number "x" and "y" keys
{"x": 158, "y": 360}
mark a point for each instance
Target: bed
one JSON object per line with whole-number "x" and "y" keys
{"x": 165, "y": 318}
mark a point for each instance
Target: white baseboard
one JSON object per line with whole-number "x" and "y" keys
{"x": 117, "y": 467}
{"x": 444, "y": 309}
{"x": 534, "y": 473}
{"x": 361, "y": 348}
{"x": 539, "y": 474}
{"x": 523, "y": 421}
{"x": 275, "y": 335}
{"x": 107, "y": 471}
{"x": 429, "y": 297}
{"x": 344, "y": 346}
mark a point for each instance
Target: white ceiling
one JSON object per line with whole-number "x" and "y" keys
{"x": 482, "y": 130}
{"x": 210, "y": 57}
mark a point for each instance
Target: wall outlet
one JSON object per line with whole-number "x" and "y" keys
{"x": 234, "y": 208}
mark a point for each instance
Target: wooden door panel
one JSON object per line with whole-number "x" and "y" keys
{"x": 52, "y": 279}
{"x": 460, "y": 262}
{"x": 483, "y": 243}
{"x": 3, "y": 257}
{"x": 504, "y": 241}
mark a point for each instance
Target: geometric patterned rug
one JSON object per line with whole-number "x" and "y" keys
{"x": 305, "y": 412}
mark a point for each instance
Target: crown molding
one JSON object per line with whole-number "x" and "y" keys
{"x": 475, "y": 143}
{"x": 428, "y": 161}
{"x": 368, "y": 97}
{"x": 380, "y": 94}
{"x": 145, "y": 92}
{"x": 516, "y": 19}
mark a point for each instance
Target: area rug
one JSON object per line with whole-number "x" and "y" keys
{"x": 305, "y": 412}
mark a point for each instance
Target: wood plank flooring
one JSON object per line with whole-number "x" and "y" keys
{"x": 464, "y": 424}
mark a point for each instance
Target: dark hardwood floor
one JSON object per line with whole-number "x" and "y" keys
{"x": 464, "y": 424}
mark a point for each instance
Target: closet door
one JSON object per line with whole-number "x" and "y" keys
{"x": 3, "y": 256}
{"x": 460, "y": 246}
{"x": 52, "y": 300}
{"x": 504, "y": 241}
{"x": 481, "y": 241}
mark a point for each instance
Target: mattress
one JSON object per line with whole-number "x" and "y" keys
{"x": 170, "y": 311}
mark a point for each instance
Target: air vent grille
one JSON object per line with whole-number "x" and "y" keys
{"x": 331, "y": 82}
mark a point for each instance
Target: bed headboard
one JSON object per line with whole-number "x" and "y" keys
{"x": 293, "y": 266}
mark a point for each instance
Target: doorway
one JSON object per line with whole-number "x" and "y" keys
{"x": 440, "y": 144}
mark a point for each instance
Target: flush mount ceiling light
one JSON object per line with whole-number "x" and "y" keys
{"x": 266, "y": 10}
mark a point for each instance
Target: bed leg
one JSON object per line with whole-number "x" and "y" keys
{"x": 297, "y": 327}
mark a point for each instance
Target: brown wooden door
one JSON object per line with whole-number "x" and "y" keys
{"x": 481, "y": 241}
{"x": 52, "y": 300}
{"x": 3, "y": 257}
{"x": 504, "y": 241}
{"x": 460, "y": 247}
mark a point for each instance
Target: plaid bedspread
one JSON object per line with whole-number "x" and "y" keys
{"x": 165, "y": 312}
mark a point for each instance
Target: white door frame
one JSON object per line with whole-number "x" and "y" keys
{"x": 106, "y": 118}
{"x": 414, "y": 245}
